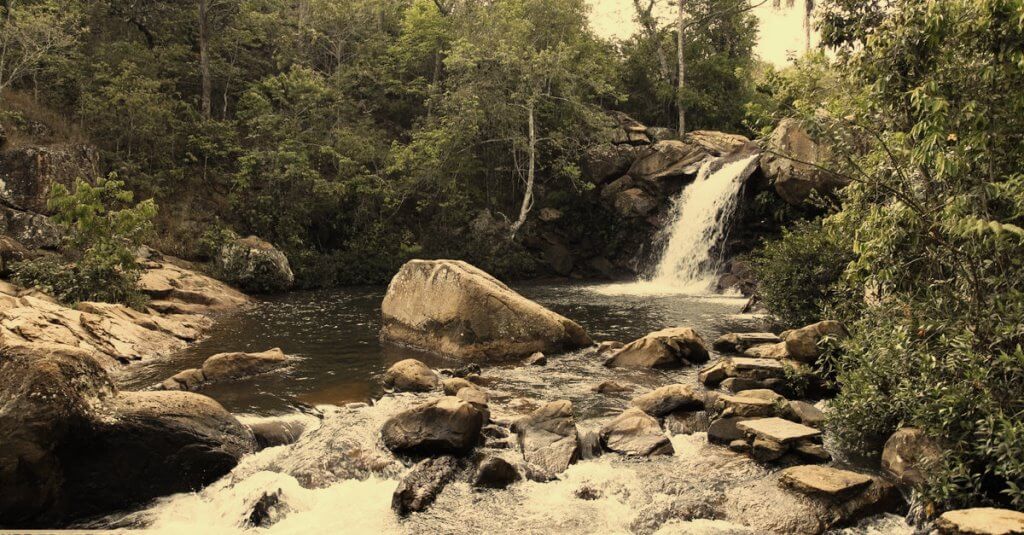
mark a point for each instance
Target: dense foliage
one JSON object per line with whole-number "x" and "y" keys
{"x": 353, "y": 134}
{"x": 928, "y": 127}
{"x": 103, "y": 232}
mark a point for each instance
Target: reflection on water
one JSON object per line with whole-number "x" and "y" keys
{"x": 335, "y": 334}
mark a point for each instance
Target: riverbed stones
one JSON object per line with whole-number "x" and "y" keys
{"x": 420, "y": 487}
{"x": 746, "y": 406}
{"x": 634, "y": 432}
{"x": 908, "y": 454}
{"x": 611, "y": 387}
{"x": 777, "y": 351}
{"x": 255, "y": 265}
{"x": 802, "y": 344}
{"x": 230, "y": 366}
{"x": 446, "y": 425}
{"x": 823, "y": 480}
{"x": 411, "y": 375}
{"x": 548, "y": 437}
{"x": 190, "y": 379}
{"x": 536, "y": 359}
{"x": 726, "y": 430}
{"x": 738, "y": 342}
{"x": 687, "y": 423}
{"x": 778, "y": 430}
{"x": 741, "y": 367}
{"x": 766, "y": 451}
{"x": 667, "y": 399}
{"x": 807, "y": 414}
{"x": 668, "y": 348}
{"x": 455, "y": 309}
{"x": 980, "y": 521}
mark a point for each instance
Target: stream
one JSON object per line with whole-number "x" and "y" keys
{"x": 338, "y": 478}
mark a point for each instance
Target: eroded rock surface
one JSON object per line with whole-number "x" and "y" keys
{"x": 667, "y": 348}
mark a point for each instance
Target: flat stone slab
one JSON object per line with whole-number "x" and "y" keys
{"x": 817, "y": 479}
{"x": 981, "y": 521}
{"x": 748, "y": 363}
{"x": 779, "y": 430}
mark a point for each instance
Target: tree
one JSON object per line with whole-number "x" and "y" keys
{"x": 32, "y": 35}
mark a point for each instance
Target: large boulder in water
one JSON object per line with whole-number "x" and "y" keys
{"x": 74, "y": 447}
{"x": 452, "y": 308}
{"x": 255, "y": 266}
{"x": 548, "y": 437}
{"x": 228, "y": 366}
{"x": 411, "y": 375}
{"x": 447, "y": 425}
{"x": 790, "y": 163}
{"x": 667, "y": 348}
{"x": 634, "y": 432}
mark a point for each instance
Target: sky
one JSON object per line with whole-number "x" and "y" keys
{"x": 781, "y": 31}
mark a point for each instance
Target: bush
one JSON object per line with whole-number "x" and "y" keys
{"x": 797, "y": 275}
{"x": 99, "y": 248}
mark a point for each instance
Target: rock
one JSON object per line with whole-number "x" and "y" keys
{"x": 420, "y": 487}
{"x": 189, "y": 379}
{"x": 452, "y": 308}
{"x": 792, "y": 170}
{"x": 824, "y": 480}
{"x": 807, "y": 414}
{"x": 611, "y": 387}
{"x": 908, "y": 454}
{"x": 11, "y": 251}
{"x": 495, "y": 473}
{"x": 812, "y": 453}
{"x": 559, "y": 257}
{"x": 742, "y": 367}
{"x": 590, "y": 444}
{"x": 229, "y": 366}
{"x": 666, "y": 399}
{"x": 276, "y": 431}
{"x": 634, "y": 202}
{"x": 446, "y": 425}
{"x": 174, "y": 289}
{"x": 466, "y": 371}
{"x": 265, "y": 510}
{"x": 549, "y": 215}
{"x": 411, "y": 375}
{"x": 668, "y": 159}
{"x": 149, "y": 444}
{"x": 255, "y": 266}
{"x": 660, "y": 133}
{"x": 716, "y": 143}
{"x": 765, "y": 450}
{"x": 32, "y": 230}
{"x": 802, "y": 344}
{"x": 609, "y": 346}
{"x": 776, "y": 351}
{"x": 536, "y": 359}
{"x": 743, "y": 405}
{"x": 980, "y": 521}
{"x": 588, "y": 493}
{"x": 474, "y": 396}
{"x": 28, "y": 174}
{"x": 778, "y": 430}
{"x": 726, "y": 430}
{"x": 548, "y": 437}
{"x": 739, "y": 446}
{"x": 634, "y": 432}
{"x": 737, "y": 342}
{"x": 667, "y": 348}
{"x": 687, "y": 423}
{"x": 452, "y": 386}
{"x": 740, "y": 384}
{"x": 605, "y": 162}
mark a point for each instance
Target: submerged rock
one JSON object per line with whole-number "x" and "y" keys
{"x": 452, "y": 308}
{"x": 495, "y": 473}
{"x": 229, "y": 366}
{"x": 634, "y": 432}
{"x": 548, "y": 437}
{"x": 446, "y": 425}
{"x": 411, "y": 375}
{"x": 255, "y": 265}
{"x": 667, "y": 348}
{"x": 420, "y": 487}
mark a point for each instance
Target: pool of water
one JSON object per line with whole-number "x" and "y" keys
{"x": 341, "y": 359}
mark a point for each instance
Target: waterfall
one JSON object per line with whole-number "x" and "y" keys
{"x": 691, "y": 259}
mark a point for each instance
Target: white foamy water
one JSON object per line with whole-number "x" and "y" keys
{"x": 692, "y": 258}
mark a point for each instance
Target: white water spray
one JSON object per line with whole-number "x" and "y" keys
{"x": 700, "y": 217}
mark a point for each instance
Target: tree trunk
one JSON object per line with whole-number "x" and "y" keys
{"x": 808, "y": 10}
{"x": 204, "y": 57}
{"x": 680, "y": 44}
{"x": 650, "y": 26}
{"x": 531, "y": 172}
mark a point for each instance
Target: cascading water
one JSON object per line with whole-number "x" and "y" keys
{"x": 700, "y": 218}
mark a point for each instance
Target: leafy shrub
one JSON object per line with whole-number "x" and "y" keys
{"x": 798, "y": 274}
{"x": 100, "y": 245}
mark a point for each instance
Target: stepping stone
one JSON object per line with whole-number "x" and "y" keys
{"x": 778, "y": 430}
{"x": 742, "y": 405}
{"x": 747, "y": 363}
{"x": 817, "y": 479}
{"x": 981, "y": 521}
